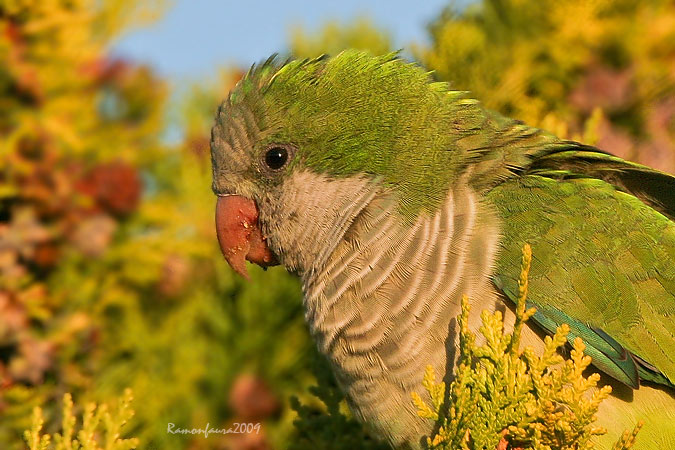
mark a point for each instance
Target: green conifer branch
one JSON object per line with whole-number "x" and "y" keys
{"x": 101, "y": 427}
{"x": 503, "y": 397}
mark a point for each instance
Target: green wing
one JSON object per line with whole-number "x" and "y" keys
{"x": 602, "y": 232}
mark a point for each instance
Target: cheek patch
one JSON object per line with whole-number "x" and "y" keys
{"x": 239, "y": 234}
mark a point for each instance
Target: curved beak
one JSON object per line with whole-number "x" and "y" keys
{"x": 239, "y": 234}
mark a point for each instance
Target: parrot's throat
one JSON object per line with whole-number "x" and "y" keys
{"x": 381, "y": 306}
{"x": 312, "y": 216}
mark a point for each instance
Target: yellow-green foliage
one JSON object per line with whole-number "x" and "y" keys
{"x": 333, "y": 38}
{"x": 110, "y": 271}
{"x": 101, "y": 427}
{"x": 551, "y": 63}
{"x": 502, "y": 393}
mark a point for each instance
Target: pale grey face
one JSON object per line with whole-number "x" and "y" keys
{"x": 247, "y": 177}
{"x": 300, "y": 214}
{"x": 233, "y": 143}
{"x": 246, "y": 167}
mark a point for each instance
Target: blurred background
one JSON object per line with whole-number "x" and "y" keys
{"x": 110, "y": 273}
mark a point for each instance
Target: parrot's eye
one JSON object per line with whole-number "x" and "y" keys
{"x": 276, "y": 157}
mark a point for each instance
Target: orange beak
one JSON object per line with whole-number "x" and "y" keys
{"x": 239, "y": 234}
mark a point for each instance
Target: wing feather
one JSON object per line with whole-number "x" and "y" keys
{"x": 602, "y": 231}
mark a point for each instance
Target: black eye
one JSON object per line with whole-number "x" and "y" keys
{"x": 276, "y": 157}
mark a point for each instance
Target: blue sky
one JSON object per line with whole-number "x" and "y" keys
{"x": 196, "y": 37}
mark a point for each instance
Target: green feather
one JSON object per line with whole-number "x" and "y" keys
{"x": 571, "y": 159}
{"x": 602, "y": 259}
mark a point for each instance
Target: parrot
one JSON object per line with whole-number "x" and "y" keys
{"x": 391, "y": 195}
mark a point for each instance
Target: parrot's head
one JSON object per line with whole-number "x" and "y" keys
{"x": 299, "y": 148}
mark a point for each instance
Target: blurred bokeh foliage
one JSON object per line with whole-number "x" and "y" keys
{"x": 335, "y": 37}
{"x": 110, "y": 274}
{"x": 552, "y": 63}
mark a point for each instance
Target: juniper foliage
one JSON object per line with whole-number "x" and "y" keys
{"x": 501, "y": 393}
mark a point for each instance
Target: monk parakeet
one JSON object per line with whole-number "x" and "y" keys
{"x": 391, "y": 196}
